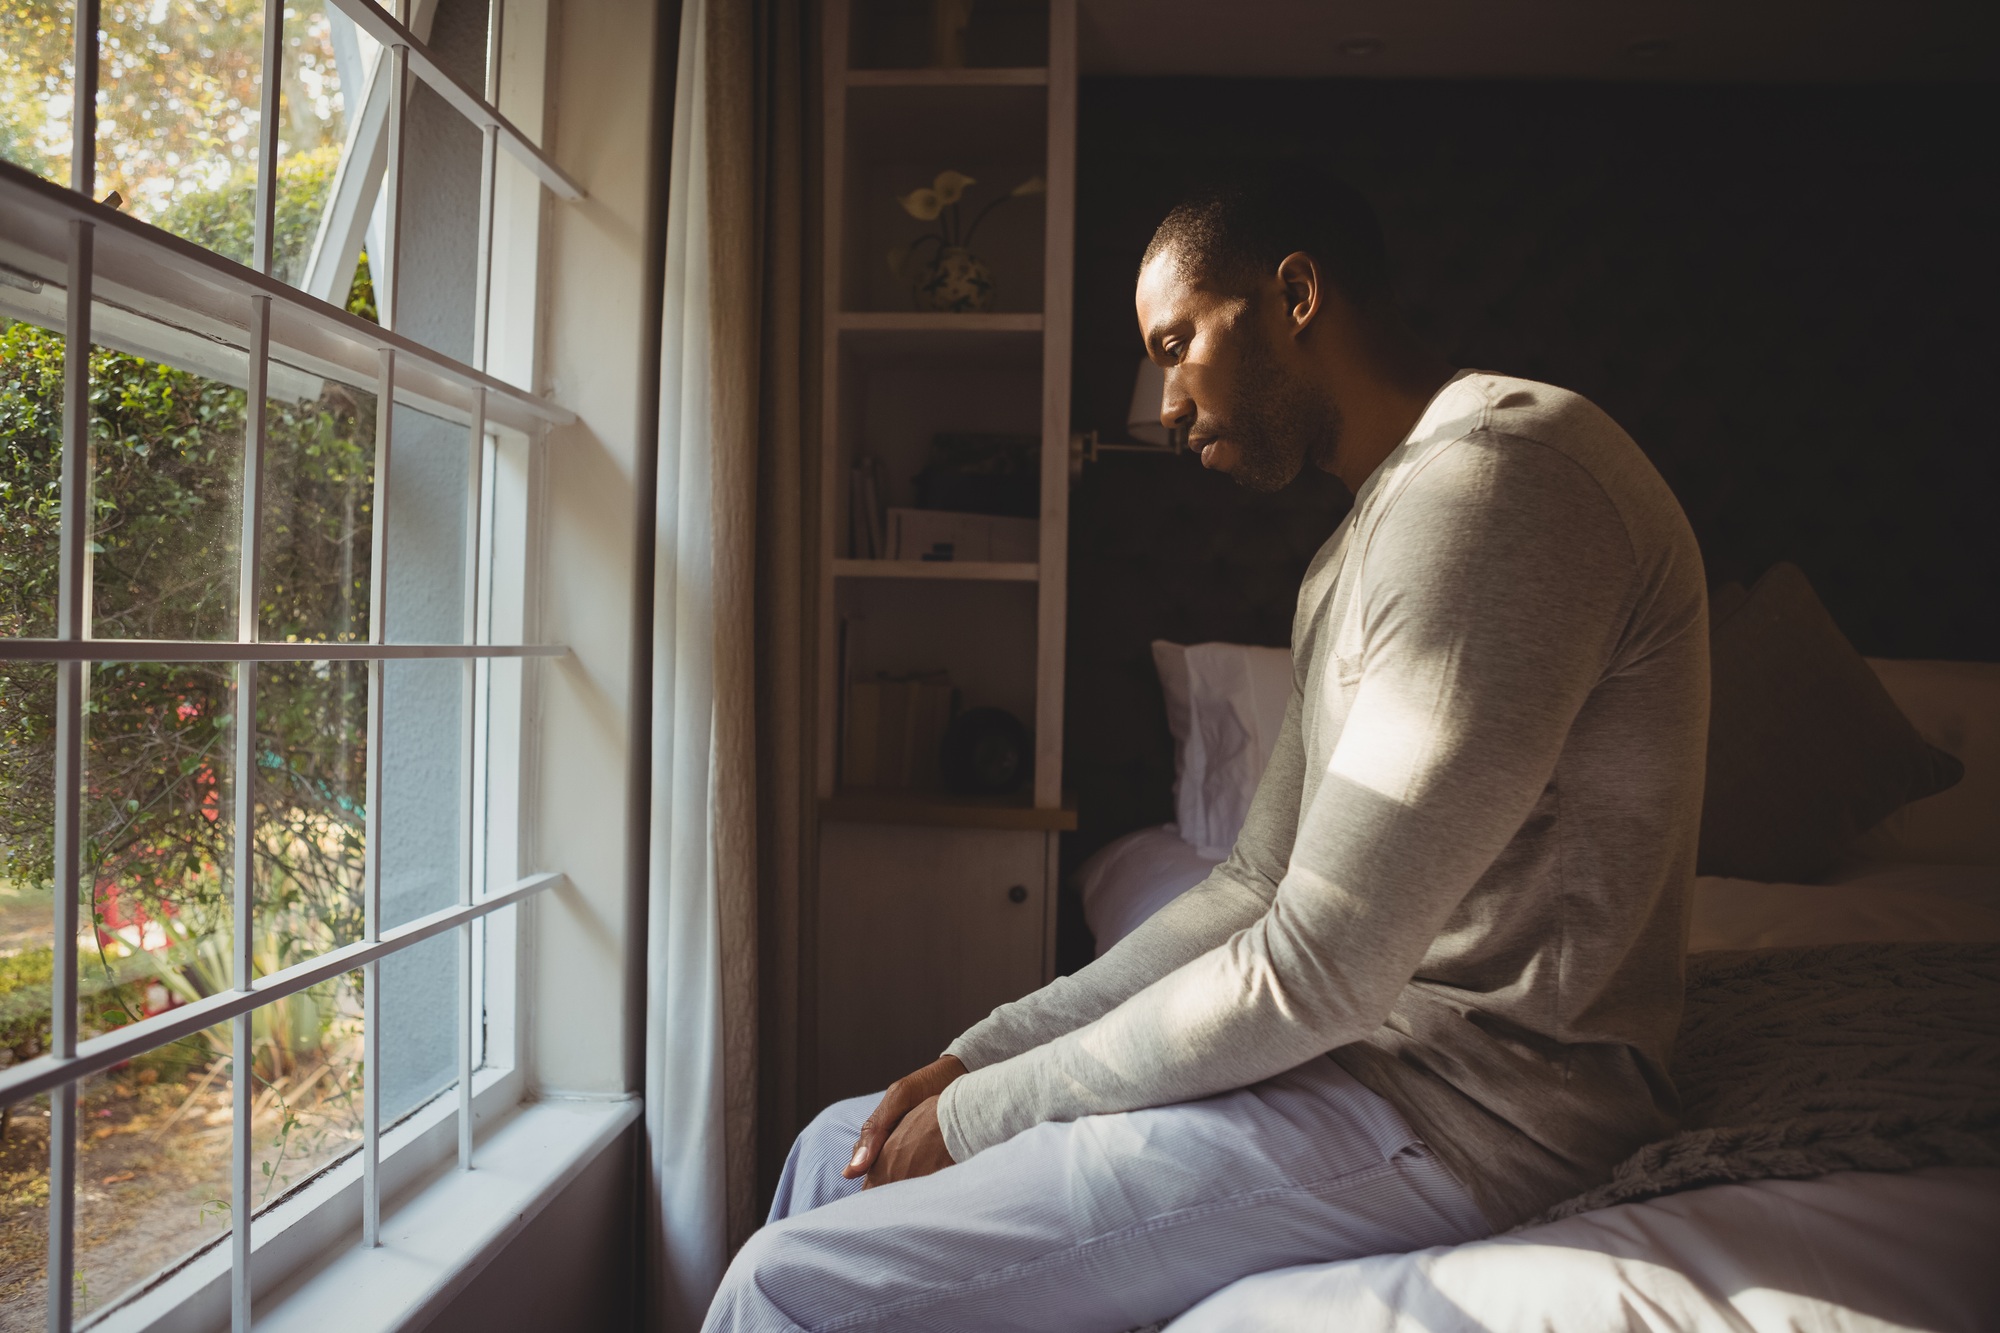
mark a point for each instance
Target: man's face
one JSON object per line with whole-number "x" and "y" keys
{"x": 1235, "y": 378}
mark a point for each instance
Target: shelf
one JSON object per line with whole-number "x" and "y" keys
{"x": 862, "y": 806}
{"x": 945, "y": 78}
{"x": 931, "y": 322}
{"x": 995, "y": 571}
{"x": 920, "y": 336}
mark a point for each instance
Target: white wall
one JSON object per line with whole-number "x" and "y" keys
{"x": 599, "y": 101}
{"x": 574, "y": 1266}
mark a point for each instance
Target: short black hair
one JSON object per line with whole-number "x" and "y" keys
{"x": 1235, "y": 229}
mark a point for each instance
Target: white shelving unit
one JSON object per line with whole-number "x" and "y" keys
{"x": 933, "y": 908}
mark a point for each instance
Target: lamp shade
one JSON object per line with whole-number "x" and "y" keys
{"x": 1149, "y": 392}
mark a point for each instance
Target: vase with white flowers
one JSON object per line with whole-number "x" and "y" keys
{"x": 953, "y": 278}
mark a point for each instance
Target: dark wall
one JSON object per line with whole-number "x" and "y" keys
{"x": 1787, "y": 295}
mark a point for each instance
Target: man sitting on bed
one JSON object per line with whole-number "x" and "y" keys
{"x": 1432, "y": 990}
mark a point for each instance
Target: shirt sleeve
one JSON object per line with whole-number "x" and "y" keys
{"x": 1235, "y": 893}
{"x": 1491, "y": 596}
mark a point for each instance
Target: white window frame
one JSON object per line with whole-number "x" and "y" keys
{"x": 164, "y": 297}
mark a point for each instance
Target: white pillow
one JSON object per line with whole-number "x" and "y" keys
{"x": 1225, "y": 703}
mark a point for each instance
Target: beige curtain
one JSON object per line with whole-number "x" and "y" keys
{"x": 730, "y": 645}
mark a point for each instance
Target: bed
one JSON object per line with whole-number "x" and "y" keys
{"x": 1783, "y": 1242}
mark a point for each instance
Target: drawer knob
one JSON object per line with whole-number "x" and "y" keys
{"x": 1018, "y": 894}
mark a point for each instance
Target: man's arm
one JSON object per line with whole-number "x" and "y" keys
{"x": 1492, "y": 596}
{"x": 895, "y": 1143}
{"x": 1235, "y": 893}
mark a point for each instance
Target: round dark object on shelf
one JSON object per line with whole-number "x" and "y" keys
{"x": 987, "y": 752}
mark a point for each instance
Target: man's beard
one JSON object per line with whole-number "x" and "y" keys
{"x": 1278, "y": 425}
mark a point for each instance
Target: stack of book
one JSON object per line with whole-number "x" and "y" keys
{"x": 866, "y": 536}
{"x": 895, "y": 729}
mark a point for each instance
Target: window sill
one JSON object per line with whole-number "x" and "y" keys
{"x": 437, "y": 1237}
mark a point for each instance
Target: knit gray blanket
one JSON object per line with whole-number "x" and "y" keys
{"x": 1851, "y": 1057}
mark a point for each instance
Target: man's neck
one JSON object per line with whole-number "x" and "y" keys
{"x": 1382, "y": 406}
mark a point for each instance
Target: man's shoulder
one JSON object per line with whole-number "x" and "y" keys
{"x": 1520, "y": 440}
{"x": 1531, "y": 410}
{"x": 1534, "y": 428}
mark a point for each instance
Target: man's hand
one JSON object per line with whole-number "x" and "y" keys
{"x": 915, "y": 1149}
{"x": 905, "y": 1096}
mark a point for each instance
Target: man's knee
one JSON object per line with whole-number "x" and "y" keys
{"x": 828, "y": 1142}
{"x": 770, "y": 1263}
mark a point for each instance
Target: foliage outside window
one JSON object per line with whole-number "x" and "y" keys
{"x": 178, "y": 131}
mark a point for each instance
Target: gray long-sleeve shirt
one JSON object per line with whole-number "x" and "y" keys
{"x": 1465, "y": 872}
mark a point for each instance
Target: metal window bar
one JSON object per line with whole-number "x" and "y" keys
{"x": 470, "y": 821}
{"x": 222, "y": 650}
{"x": 242, "y": 1083}
{"x": 244, "y": 869}
{"x": 73, "y": 623}
{"x": 47, "y": 1073}
{"x": 388, "y": 305}
{"x": 468, "y": 760}
{"x": 371, "y": 873}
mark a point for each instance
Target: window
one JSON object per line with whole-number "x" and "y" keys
{"x": 264, "y": 492}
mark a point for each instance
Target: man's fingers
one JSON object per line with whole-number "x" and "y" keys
{"x": 875, "y": 1131}
{"x": 896, "y": 1103}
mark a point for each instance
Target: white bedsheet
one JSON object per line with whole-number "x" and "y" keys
{"x": 1849, "y": 1253}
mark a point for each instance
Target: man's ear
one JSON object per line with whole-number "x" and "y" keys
{"x": 1300, "y": 278}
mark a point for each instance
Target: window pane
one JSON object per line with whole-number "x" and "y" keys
{"x": 166, "y": 493}
{"x": 152, "y": 1165}
{"x": 325, "y": 217}
{"x": 37, "y": 86}
{"x": 159, "y": 825}
{"x": 306, "y": 1058}
{"x": 179, "y": 86}
{"x": 420, "y": 858}
{"x": 24, "y": 1216}
{"x": 31, "y": 384}
{"x": 419, "y": 1025}
{"x": 319, "y": 468}
{"x": 312, "y": 720}
{"x": 421, "y": 755}
{"x": 27, "y": 904}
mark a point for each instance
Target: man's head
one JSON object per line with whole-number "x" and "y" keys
{"x": 1251, "y": 296}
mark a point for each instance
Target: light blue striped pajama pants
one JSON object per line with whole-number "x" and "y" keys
{"x": 1105, "y": 1223}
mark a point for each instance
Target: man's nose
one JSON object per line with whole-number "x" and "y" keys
{"x": 1177, "y": 415}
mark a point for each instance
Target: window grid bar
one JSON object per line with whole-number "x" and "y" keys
{"x": 482, "y": 865}
{"x": 243, "y": 877}
{"x": 468, "y": 761}
{"x": 47, "y": 1073}
{"x": 240, "y": 1201}
{"x": 263, "y": 233}
{"x": 391, "y": 33}
{"x": 83, "y": 109}
{"x": 228, "y": 650}
{"x": 496, "y": 11}
{"x": 310, "y": 332}
{"x": 389, "y": 280}
{"x": 73, "y": 623}
{"x": 469, "y": 811}
{"x": 371, "y": 875}
{"x": 482, "y": 292}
